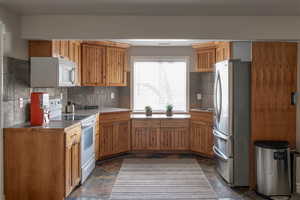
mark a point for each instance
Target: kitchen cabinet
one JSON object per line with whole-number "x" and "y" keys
{"x": 223, "y": 51}
{"x": 160, "y": 134}
{"x": 97, "y": 139}
{"x": 145, "y": 134}
{"x": 174, "y": 135}
{"x": 104, "y": 64}
{"x": 72, "y": 153}
{"x": 206, "y": 58}
{"x": 41, "y": 163}
{"x": 114, "y": 136}
{"x": 201, "y": 136}
{"x": 67, "y": 49}
{"x": 93, "y": 65}
{"x": 75, "y": 56}
{"x": 208, "y": 54}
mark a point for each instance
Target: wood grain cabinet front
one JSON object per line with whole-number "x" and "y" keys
{"x": 103, "y": 64}
{"x": 201, "y": 133}
{"x": 114, "y": 134}
{"x": 165, "y": 135}
{"x": 41, "y": 163}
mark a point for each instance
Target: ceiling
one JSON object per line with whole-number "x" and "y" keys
{"x": 157, "y": 7}
{"x": 160, "y": 42}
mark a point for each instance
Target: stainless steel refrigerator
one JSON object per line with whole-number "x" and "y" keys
{"x": 232, "y": 121}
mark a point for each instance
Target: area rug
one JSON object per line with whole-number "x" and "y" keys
{"x": 161, "y": 179}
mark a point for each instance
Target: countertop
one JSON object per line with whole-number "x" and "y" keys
{"x": 160, "y": 116}
{"x": 209, "y": 110}
{"x": 62, "y": 124}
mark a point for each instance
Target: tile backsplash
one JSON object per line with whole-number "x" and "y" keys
{"x": 100, "y": 96}
{"x": 16, "y": 85}
{"x": 201, "y": 82}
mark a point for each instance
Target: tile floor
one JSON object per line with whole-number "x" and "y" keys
{"x": 99, "y": 185}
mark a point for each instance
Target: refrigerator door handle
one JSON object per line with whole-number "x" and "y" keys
{"x": 220, "y": 135}
{"x": 218, "y": 97}
{"x": 219, "y": 154}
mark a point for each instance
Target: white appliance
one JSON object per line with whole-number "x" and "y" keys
{"x": 87, "y": 147}
{"x": 51, "y": 72}
{"x": 232, "y": 121}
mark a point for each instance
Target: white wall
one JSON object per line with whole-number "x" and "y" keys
{"x": 186, "y": 27}
{"x": 13, "y": 45}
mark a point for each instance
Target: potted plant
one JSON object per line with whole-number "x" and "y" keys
{"x": 148, "y": 110}
{"x": 169, "y": 110}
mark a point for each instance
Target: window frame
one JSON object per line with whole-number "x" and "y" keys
{"x": 134, "y": 59}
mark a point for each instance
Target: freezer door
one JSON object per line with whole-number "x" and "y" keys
{"x": 223, "y": 97}
{"x": 224, "y": 166}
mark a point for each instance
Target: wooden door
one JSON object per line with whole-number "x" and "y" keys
{"x": 201, "y": 138}
{"x": 174, "y": 138}
{"x": 107, "y": 139}
{"x": 76, "y": 168}
{"x": 64, "y": 49}
{"x": 123, "y": 136}
{"x": 93, "y": 65}
{"x": 75, "y": 56}
{"x": 68, "y": 170}
{"x": 206, "y": 58}
{"x": 139, "y": 138}
{"x": 273, "y": 80}
{"x": 116, "y": 66}
{"x": 223, "y": 51}
{"x": 153, "y": 138}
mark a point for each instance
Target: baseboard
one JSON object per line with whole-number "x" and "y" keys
{"x": 298, "y": 188}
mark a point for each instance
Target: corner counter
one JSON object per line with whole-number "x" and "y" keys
{"x": 160, "y": 116}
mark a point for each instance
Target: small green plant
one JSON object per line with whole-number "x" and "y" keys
{"x": 148, "y": 108}
{"x": 169, "y": 108}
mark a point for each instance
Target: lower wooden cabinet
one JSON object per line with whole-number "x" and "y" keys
{"x": 41, "y": 163}
{"x": 169, "y": 134}
{"x": 97, "y": 138}
{"x": 72, "y": 159}
{"x": 114, "y": 134}
{"x": 201, "y": 135}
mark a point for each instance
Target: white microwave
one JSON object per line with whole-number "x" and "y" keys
{"x": 51, "y": 72}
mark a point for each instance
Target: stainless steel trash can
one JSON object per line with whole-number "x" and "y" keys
{"x": 273, "y": 171}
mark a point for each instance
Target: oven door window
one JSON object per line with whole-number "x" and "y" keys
{"x": 88, "y": 137}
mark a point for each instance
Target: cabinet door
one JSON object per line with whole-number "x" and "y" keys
{"x": 64, "y": 49}
{"x": 93, "y": 62}
{"x": 174, "y": 138}
{"x": 68, "y": 170}
{"x": 223, "y": 51}
{"x": 107, "y": 139}
{"x": 97, "y": 147}
{"x": 75, "y": 56}
{"x": 206, "y": 58}
{"x": 76, "y": 170}
{"x": 139, "y": 138}
{"x": 201, "y": 138}
{"x": 123, "y": 136}
{"x": 116, "y": 66}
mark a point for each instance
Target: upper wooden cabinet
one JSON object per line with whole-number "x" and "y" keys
{"x": 207, "y": 54}
{"x": 67, "y": 49}
{"x": 104, "y": 64}
{"x": 206, "y": 58}
{"x": 93, "y": 65}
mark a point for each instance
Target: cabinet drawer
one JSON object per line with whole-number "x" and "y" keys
{"x": 175, "y": 123}
{"x": 73, "y": 135}
{"x": 114, "y": 116}
{"x": 146, "y": 123}
{"x": 202, "y": 116}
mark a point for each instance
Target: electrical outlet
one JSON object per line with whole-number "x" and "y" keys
{"x": 21, "y": 102}
{"x": 199, "y": 96}
{"x": 112, "y": 95}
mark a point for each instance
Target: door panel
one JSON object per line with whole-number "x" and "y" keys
{"x": 224, "y": 166}
{"x": 222, "y": 98}
{"x": 273, "y": 79}
{"x": 223, "y": 143}
{"x": 123, "y": 136}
